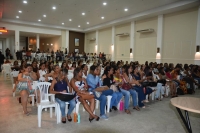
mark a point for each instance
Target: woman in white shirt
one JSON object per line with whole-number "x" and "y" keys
{"x": 84, "y": 68}
{"x": 42, "y": 72}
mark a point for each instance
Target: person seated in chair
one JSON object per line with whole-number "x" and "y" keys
{"x": 79, "y": 85}
{"x": 25, "y": 78}
{"x": 108, "y": 80}
{"x": 100, "y": 92}
{"x": 60, "y": 85}
{"x": 7, "y": 61}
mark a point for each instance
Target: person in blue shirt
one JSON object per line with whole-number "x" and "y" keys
{"x": 100, "y": 92}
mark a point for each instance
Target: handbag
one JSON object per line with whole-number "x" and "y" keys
{"x": 152, "y": 84}
{"x": 65, "y": 97}
{"x": 162, "y": 81}
{"x": 145, "y": 84}
{"x": 114, "y": 88}
{"x": 126, "y": 85}
{"x": 85, "y": 96}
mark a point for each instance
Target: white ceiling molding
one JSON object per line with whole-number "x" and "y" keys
{"x": 149, "y": 13}
{"x": 40, "y": 25}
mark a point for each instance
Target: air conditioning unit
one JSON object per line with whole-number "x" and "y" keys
{"x": 92, "y": 39}
{"x": 123, "y": 34}
{"x": 146, "y": 31}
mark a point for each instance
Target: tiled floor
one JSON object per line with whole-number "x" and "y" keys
{"x": 159, "y": 117}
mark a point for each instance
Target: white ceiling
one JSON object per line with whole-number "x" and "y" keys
{"x": 72, "y": 9}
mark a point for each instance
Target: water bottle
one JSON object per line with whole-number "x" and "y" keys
{"x": 75, "y": 117}
{"x": 121, "y": 108}
{"x": 79, "y": 118}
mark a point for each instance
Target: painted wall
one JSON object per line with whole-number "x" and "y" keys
{"x": 122, "y": 44}
{"x": 105, "y": 40}
{"x": 45, "y": 43}
{"x": 179, "y": 36}
{"x": 178, "y": 45}
{"x": 145, "y": 43}
{"x": 76, "y": 35}
{"x": 90, "y": 45}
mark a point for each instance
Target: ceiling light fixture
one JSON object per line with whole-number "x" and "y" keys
{"x": 125, "y": 9}
{"x": 83, "y": 13}
{"x": 63, "y": 23}
{"x": 70, "y": 19}
{"x": 79, "y": 26}
{"x": 39, "y": 19}
{"x": 20, "y": 11}
{"x": 52, "y": 44}
{"x": 17, "y": 16}
{"x": 54, "y": 7}
{"x": 88, "y": 23}
{"x": 104, "y": 3}
{"x": 44, "y": 15}
{"x": 102, "y": 17}
{"x": 25, "y": 2}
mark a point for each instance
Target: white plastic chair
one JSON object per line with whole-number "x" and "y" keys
{"x": 14, "y": 74}
{"x": 38, "y": 56}
{"x": 33, "y": 55}
{"x": 45, "y": 56}
{"x": 108, "y": 103}
{"x": 32, "y": 96}
{"x": 6, "y": 69}
{"x": 44, "y": 100}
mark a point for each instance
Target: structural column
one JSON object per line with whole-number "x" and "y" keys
{"x": 159, "y": 38}
{"x": 113, "y": 44}
{"x": 37, "y": 41}
{"x": 97, "y": 42}
{"x": 132, "y": 40}
{"x": 16, "y": 40}
{"x": 197, "y": 55}
{"x": 67, "y": 41}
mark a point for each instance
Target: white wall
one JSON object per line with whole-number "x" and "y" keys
{"x": 122, "y": 44}
{"x": 179, "y": 36}
{"x": 178, "y": 45}
{"x": 22, "y": 42}
{"x": 145, "y": 43}
{"x": 105, "y": 40}
{"x": 90, "y": 45}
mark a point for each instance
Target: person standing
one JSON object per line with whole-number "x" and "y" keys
{"x": 1, "y": 60}
{"x": 7, "y": 52}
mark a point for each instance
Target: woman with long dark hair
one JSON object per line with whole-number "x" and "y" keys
{"x": 109, "y": 81}
{"x": 136, "y": 86}
{"x": 26, "y": 76}
{"x": 80, "y": 86}
{"x": 60, "y": 84}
